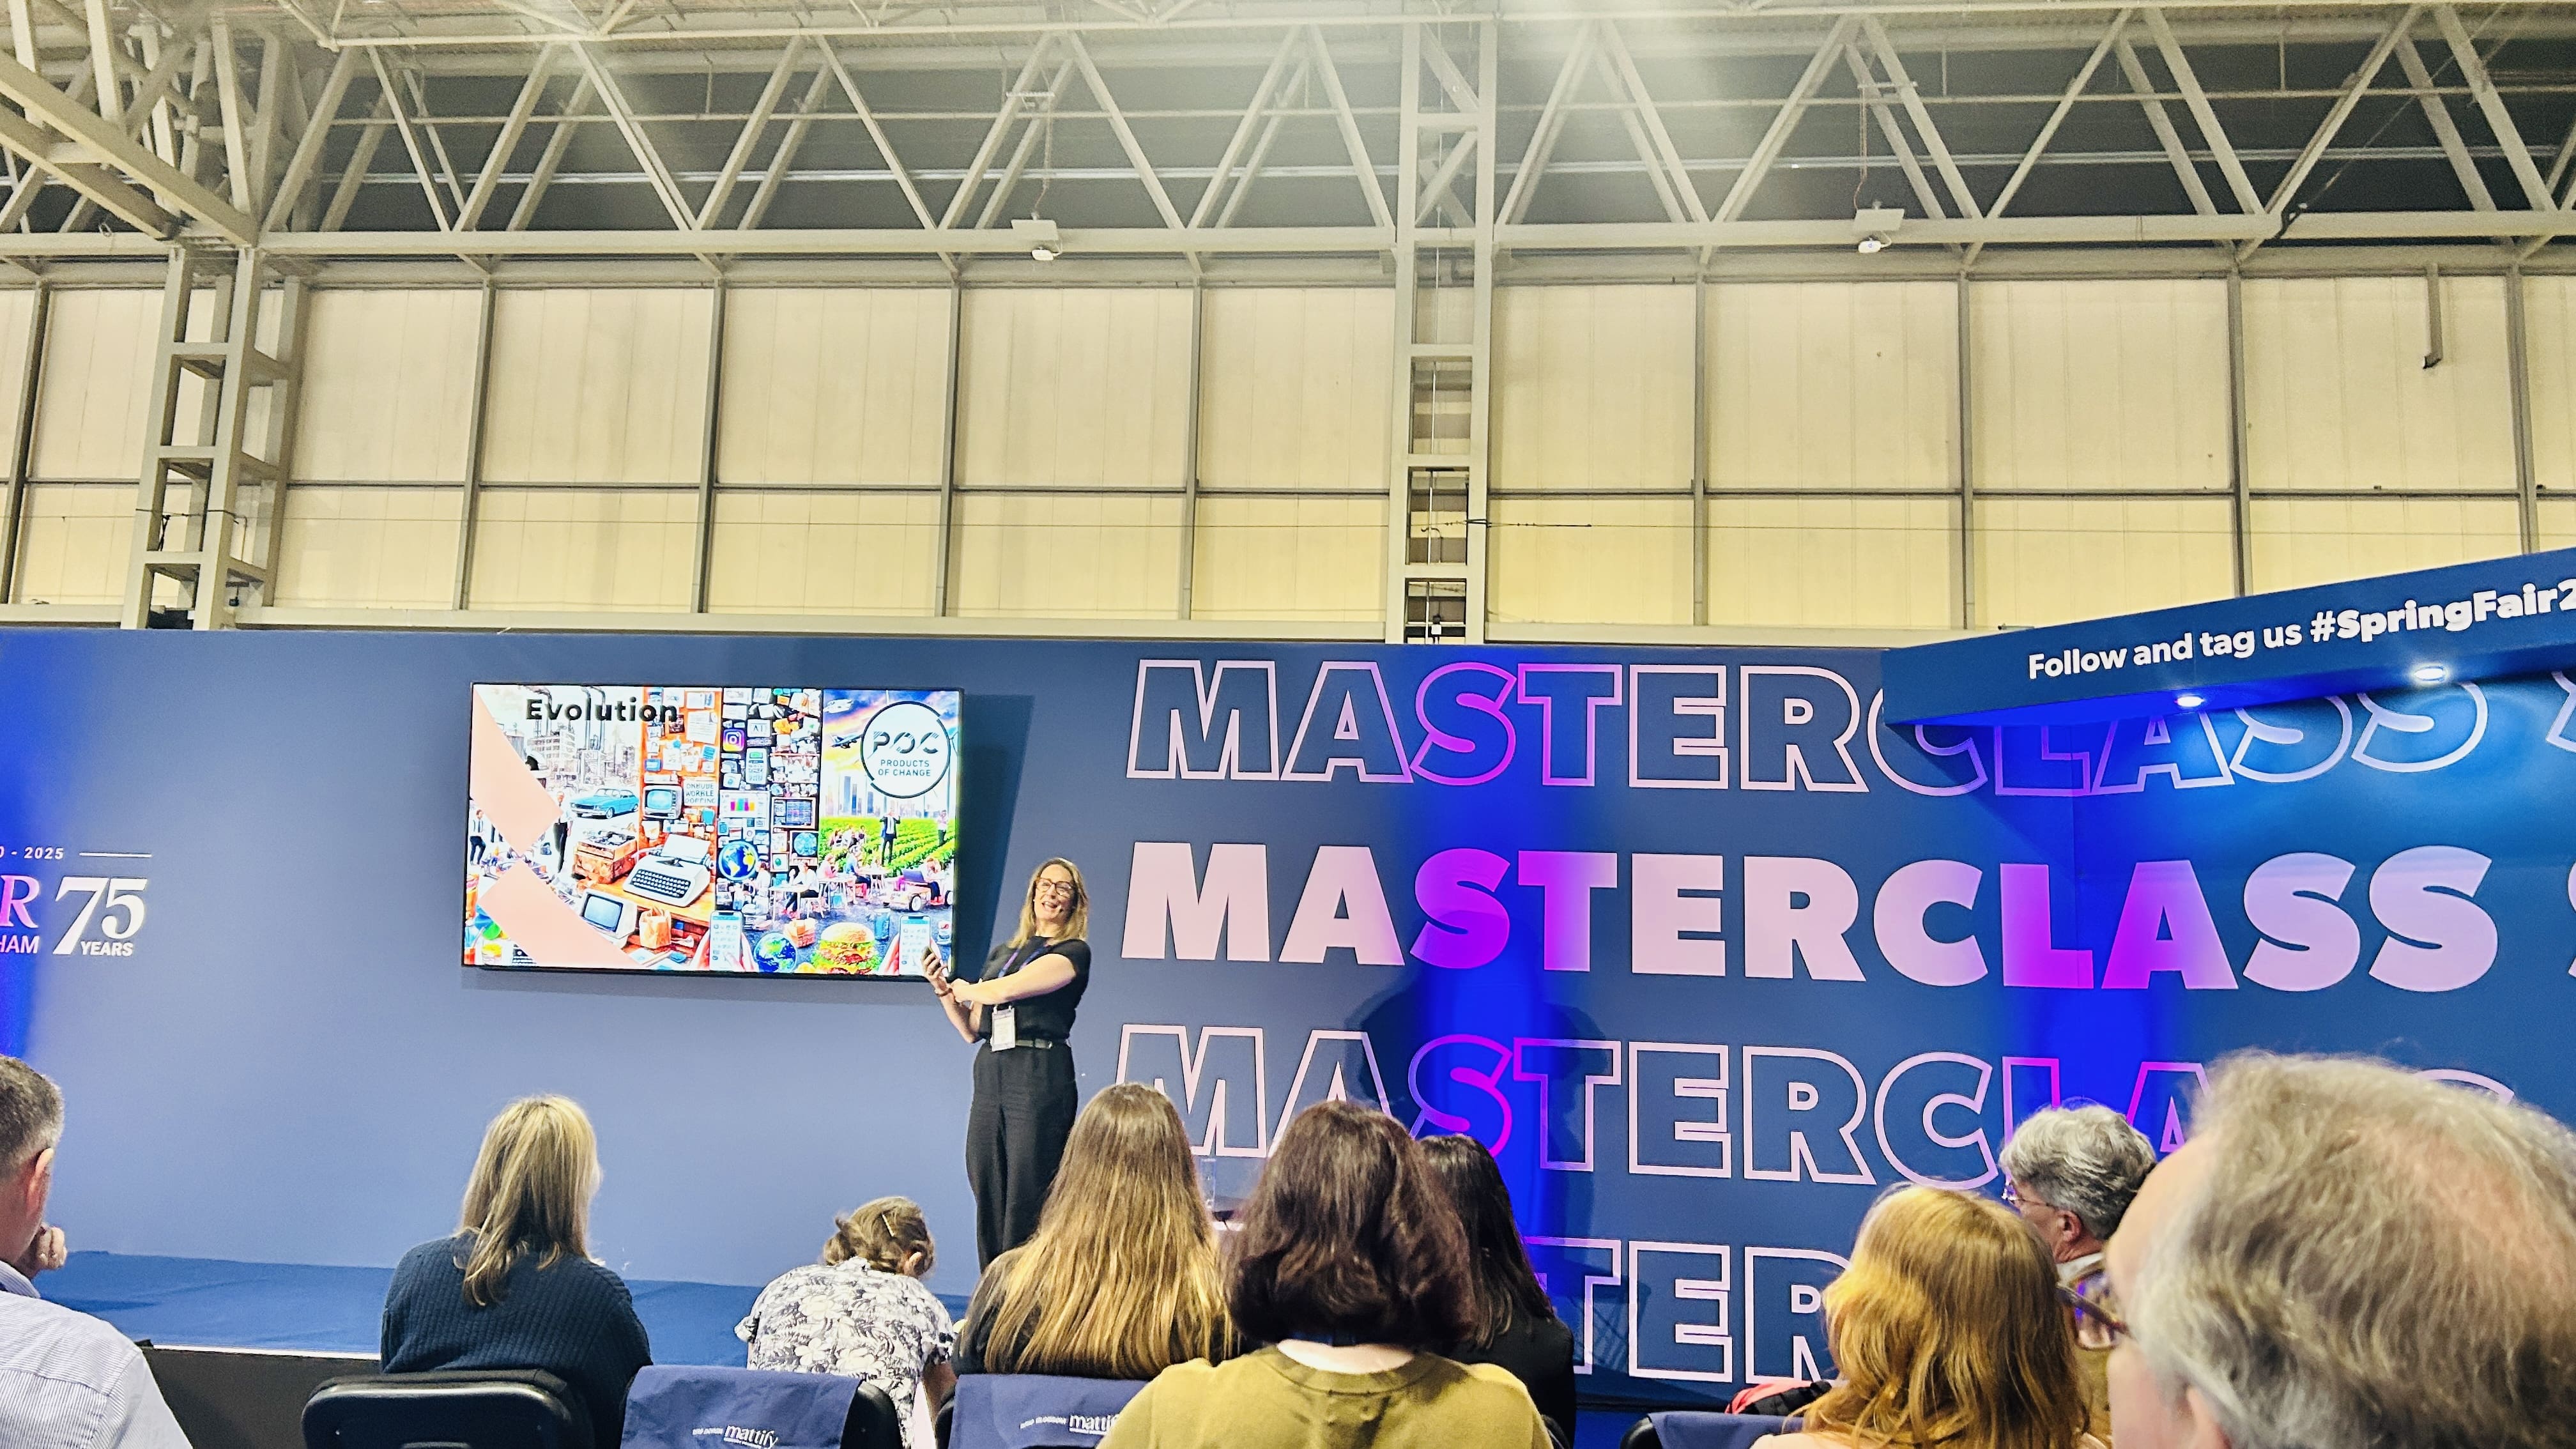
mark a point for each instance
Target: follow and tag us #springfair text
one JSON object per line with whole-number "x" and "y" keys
{"x": 2456, "y": 616}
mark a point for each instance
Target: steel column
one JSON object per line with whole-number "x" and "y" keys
{"x": 1190, "y": 449}
{"x": 702, "y": 541}
{"x": 2517, "y": 337}
{"x": 1699, "y": 450}
{"x": 1967, "y": 457}
{"x": 22, "y": 439}
{"x": 2240, "y": 481}
{"x": 944, "y": 566}
{"x": 469, "y": 508}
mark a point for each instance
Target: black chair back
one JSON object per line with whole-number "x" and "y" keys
{"x": 488, "y": 1409}
{"x": 875, "y": 1422}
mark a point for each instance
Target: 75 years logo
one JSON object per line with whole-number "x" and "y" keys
{"x": 92, "y": 915}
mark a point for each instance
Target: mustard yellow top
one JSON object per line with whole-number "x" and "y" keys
{"x": 1270, "y": 1401}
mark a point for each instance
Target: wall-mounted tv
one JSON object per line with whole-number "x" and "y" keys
{"x": 724, "y": 829}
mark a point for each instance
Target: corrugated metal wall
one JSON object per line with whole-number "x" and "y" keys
{"x": 1820, "y": 460}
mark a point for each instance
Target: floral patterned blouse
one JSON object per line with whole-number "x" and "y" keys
{"x": 851, "y": 1319}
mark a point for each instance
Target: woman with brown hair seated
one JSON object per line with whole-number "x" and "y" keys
{"x": 1350, "y": 1265}
{"x": 1120, "y": 1280}
{"x": 1949, "y": 1331}
{"x": 1516, "y": 1327}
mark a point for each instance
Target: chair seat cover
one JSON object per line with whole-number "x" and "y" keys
{"x": 1680, "y": 1430}
{"x": 1036, "y": 1411}
{"x": 673, "y": 1406}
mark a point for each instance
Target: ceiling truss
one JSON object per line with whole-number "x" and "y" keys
{"x": 1173, "y": 128}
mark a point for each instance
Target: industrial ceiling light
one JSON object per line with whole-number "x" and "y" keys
{"x": 1876, "y": 227}
{"x": 1043, "y": 240}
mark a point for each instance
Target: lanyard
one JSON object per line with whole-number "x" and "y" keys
{"x": 1027, "y": 951}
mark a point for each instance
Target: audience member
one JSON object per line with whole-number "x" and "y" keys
{"x": 862, "y": 1313}
{"x": 1350, "y": 1265}
{"x": 1120, "y": 1280}
{"x": 2348, "y": 1255}
{"x": 1515, "y": 1326}
{"x": 516, "y": 1288}
{"x": 2070, "y": 1172}
{"x": 1948, "y": 1330}
{"x": 67, "y": 1380}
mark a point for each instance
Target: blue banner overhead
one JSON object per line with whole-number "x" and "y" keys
{"x": 2482, "y": 620}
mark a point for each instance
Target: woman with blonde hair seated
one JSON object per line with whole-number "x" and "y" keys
{"x": 515, "y": 1288}
{"x": 1948, "y": 1330}
{"x": 1120, "y": 1280}
{"x": 863, "y": 1313}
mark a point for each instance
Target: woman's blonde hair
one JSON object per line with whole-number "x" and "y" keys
{"x": 1077, "y": 921}
{"x": 1948, "y": 1330}
{"x": 887, "y": 1234}
{"x": 1121, "y": 1279}
{"x": 530, "y": 1192}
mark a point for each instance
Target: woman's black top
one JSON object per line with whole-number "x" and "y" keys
{"x": 1048, "y": 1017}
{"x": 1540, "y": 1353}
{"x": 572, "y": 1318}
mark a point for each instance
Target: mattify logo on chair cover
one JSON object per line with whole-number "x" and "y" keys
{"x": 736, "y": 1434}
{"x": 1095, "y": 1425}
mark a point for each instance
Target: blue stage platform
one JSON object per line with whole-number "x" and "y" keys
{"x": 214, "y": 1303}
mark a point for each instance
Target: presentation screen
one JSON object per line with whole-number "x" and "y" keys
{"x": 733, "y": 830}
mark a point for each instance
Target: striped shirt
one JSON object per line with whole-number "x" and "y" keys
{"x": 69, "y": 1381}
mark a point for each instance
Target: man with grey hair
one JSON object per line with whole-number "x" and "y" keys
{"x": 67, "y": 1380}
{"x": 2070, "y": 1172}
{"x": 2346, "y": 1256}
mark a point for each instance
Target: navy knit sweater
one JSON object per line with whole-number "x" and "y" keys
{"x": 574, "y": 1320}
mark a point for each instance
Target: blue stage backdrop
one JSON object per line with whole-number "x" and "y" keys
{"x": 1708, "y": 952}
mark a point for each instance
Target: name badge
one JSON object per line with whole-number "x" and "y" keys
{"x": 1006, "y": 1028}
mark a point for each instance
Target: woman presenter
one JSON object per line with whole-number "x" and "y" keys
{"x": 1020, "y": 1009}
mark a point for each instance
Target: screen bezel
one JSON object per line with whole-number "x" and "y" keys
{"x": 957, "y": 769}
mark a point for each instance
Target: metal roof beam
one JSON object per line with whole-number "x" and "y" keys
{"x": 876, "y": 133}
{"x": 2167, "y": 134}
{"x": 106, "y": 141}
{"x": 1922, "y": 118}
{"x": 2196, "y": 101}
{"x": 1363, "y": 169}
{"x": 1775, "y": 137}
{"x": 636, "y": 141}
{"x": 2474, "y": 70}
{"x": 1867, "y": 80}
{"x": 2445, "y": 129}
{"x": 1252, "y": 116}
{"x": 504, "y": 145}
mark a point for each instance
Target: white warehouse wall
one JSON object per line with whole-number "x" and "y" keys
{"x": 1812, "y": 479}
